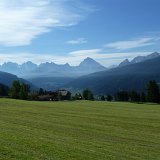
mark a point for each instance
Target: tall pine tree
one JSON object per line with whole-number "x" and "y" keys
{"x": 153, "y": 94}
{"x": 15, "y": 89}
{"x": 88, "y": 95}
{"x": 23, "y": 94}
{"x": 19, "y": 90}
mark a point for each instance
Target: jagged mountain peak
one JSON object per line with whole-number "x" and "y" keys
{"x": 67, "y": 65}
{"x": 124, "y": 63}
{"x": 153, "y": 55}
{"x": 131, "y": 77}
{"x": 29, "y": 63}
{"x": 139, "y": 59}
{"x": 10, "y": 63}
{"x": 30, "y": 69}
{"x": 144, "y": 58}
{"x": 89, "y": 59}
{"x": 89, "y": 62}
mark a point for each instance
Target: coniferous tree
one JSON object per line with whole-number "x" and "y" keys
{"x": 134, "y": 96}
{"x": 88, "y": 95}
{"x": 23, "y": 94}
{"x": 143, "y": 97}
{"x": 75, "y": 97}
{"x": 41, "y": 91}
{"x": 153, "y": 94}
{"x": 15, "y": 89}
{"x": 122, "y": 96}
{"x": 109, "y": 98}
{"x": 103, "y": 98}
{"x": 4, "y": 90}
{"x": 19, "y": 90}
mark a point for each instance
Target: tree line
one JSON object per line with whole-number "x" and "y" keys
{"x": 20, "y": 90}
{"x": 86, "y": 95}
{"x": 151, "y": 94}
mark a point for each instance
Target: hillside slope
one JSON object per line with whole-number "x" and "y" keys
{"x": 7, "y": 79}
{"x": 131, "y": 77}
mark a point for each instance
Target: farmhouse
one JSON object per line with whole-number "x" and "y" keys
{"x": 58, "y": 95}
{"x": 63, "y": 94}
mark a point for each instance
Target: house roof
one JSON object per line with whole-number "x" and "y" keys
{"x": 63, "y": 92}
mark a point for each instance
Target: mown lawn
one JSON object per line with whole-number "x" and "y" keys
{"x": 78, "y": 130}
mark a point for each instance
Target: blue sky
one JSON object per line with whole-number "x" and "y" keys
{"x": 71, "y": 30}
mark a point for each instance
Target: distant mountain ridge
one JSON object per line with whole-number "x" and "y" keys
{"x": 139, "y": 59}
{"x": 130, "y": 77}
{"x": 51, "y": 76}
{"x": 29, "y": 69}
{"x": 50, "y": 69}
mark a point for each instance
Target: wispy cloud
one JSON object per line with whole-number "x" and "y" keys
{"x": 102, "y": 56}
{"x": 77, "y": 41}
{"x": 84, "y": 53}
{"x": 23, "y": 20}
{"x": 131, "y": 44}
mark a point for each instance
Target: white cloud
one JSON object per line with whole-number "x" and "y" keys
{"x": 77, "y": 41}
{"x": 107, "y": 59}
{"x": 24, "y": 20}
{"x": 84, "y": 53}
{"x": 131, "y": 44}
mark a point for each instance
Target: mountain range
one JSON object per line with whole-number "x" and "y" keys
{"x": 88, "y": 74}
{"x": 87, "y": 66}
{"x": 31, "y": 70}
{"x": 74, "y": 83}
{"x": 139, "y": 59}
{"x": 133, "y": 76}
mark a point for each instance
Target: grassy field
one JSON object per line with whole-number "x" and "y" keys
{"x": 78, "y": 130}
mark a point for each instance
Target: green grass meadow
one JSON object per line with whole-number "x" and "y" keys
{"x": 79, "y": 130}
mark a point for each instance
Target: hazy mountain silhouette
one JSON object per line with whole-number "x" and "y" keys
{"x": 51, "y": 76}
{"x": 130, "y": 77}
{"x": 139, "y": 59}
{"x": 30, "y": 70}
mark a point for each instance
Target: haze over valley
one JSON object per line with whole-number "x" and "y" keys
{"x": 88, "y": 73}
